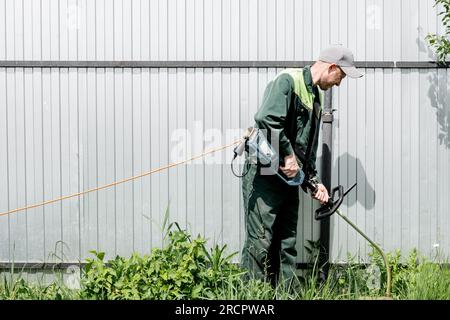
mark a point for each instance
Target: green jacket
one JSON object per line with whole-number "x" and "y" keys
{"x": 292, "y": 88}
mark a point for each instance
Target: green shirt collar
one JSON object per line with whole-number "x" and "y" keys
{"x": 308, "y": 78}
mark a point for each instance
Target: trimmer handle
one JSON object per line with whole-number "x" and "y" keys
{"x": 332, "y": 205}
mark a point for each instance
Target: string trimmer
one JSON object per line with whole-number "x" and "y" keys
{"x": 259, "y": 151}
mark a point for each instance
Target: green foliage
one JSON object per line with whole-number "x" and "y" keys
{"x": 349, "y": 280}
{"x": 441, "y": 43}
{"x": 397, "y": 269}
{"x": 183, "y": 269}
{"x": 342, "y": 282}
{"x": 430, "y": 282}
{"x": 16, "y": 288}
{"x": 416, "y": 278}
{"x": 238, "y": 289}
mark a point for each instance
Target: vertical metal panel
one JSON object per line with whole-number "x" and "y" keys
{"x": 370, "y": 178}
{"x": 231, "y": 185}
{"x": 127, "y": 21}
{"x": 121, "y": 246}
{"x": 146, "y": 138}
{"x": 88, "y": 147}
{"x": 340, "y": 168}
{"x": 18, "y": 30}
{"x": 10, "y": 30}
{"x": 63, "y": 29}
{"x": 16, "y": 161}
{"x": 395, "y": 31}
{"x": 34, "y": 164}
{"x": 172, "y": 36}
{"x": 109, "y": 238}
{"x": 137, "y": 202}
{"x": 322, "y": 12}
{"x": 70, "y": 174}
{"x": 307, "y": 28}
{"x": 360, "y": 153}
{"x": 157, "y": 205}
{"x": 160, "y": 196}
{"x": 192, "y": 178}
{"x": 235, "y": 27}
{"x": 335, "y": 20}
{"x": 397, "y": 123}
{"x": 4, "y": 194}
{"x": 86, "y": 223}
{"x": 27, "y": 30}
{"x": 384, "y": 155}
{"x": 243, "y": 10}
{"x": 352, "y": 163}
{"x": 128, "y": 155}
{"x": 52, "y": 162}
{"x": 45, "y": 29}
{"x": 390, "y": 229}
{"x": 163, "y": 30}
{"x": 443, "y": 114}
{"x": 117, "y": 33}
{"x": 123, "y": 156}
{"x": 137, "y": 29}
{"x": 176, "y": 122}
{"x": 53, "y": 42}
{"x": 424, "y": 102}
{"x": 213, "y": 170}
{"x": 409, "y": 46}
{"x": 375, "y": 201}
{"x": 198, "y": 148}
{"x": 414, "y": 159}
{"x": 361, "y": 35}
{"x": 104, "y": 216}
{"x": 3, "y": 29}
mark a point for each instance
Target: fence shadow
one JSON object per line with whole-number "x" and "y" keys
{"x": 356, "y": 166}
{"x": 438, "y": 92}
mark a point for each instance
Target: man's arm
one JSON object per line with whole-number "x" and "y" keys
{"x": 312, "y": 161}
{"x": 274, "y": 109}
{"x": 321, "y": 193}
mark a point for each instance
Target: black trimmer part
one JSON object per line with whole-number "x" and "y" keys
{"x": 337, "y": 196}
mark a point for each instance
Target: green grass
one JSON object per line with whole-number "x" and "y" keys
{"x": 185, "y": 269}
{"x": 14, "y": 287}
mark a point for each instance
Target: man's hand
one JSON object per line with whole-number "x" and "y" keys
{"x": 321, "y": 194}
{"x": 291, "y": 167}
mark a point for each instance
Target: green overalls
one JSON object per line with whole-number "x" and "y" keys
{"x": 271, "y": 206}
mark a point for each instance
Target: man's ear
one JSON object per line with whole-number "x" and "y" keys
{"x": 332, "y": 67}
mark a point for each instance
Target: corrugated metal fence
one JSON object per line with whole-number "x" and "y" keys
{"x": 68, "y": 129}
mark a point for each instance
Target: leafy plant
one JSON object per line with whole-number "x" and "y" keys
{"x": 183, "y": 269}
{"x": 441, "y": 43}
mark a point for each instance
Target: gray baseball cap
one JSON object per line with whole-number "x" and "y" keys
{"x": 342, "y": 57}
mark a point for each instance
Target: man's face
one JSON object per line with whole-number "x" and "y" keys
{"x": 331, "y": 77}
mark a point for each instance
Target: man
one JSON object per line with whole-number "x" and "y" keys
{"x": 271, "y": 206}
